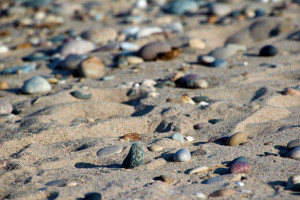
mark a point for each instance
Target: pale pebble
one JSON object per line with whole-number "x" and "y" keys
{"x": 182, "y": 155}
{"x": 146, "y": 32}
{"x": 108, "y": 151}
{"x": 35, "y": 85}
{"x": 200, "y": 195}
{"x": 5, "y": 107}
{"x": 189, "y": 138}
{"x": 196, "y": 43}
{"x": 198, "y": 169}
{"x": 91, "y": 67}
{"x": 76, "y": 47}
{"x": 155, "y": 147}
{"x": 100, "y": 35}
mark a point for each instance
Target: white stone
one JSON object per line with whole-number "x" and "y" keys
{"x": 189, "y": 138}
{"x": 200, "y": 195}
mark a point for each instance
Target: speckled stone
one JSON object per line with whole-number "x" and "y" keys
{"x": 151, "y": 50}
{"x": 5, "y": 107}
{"x": 108, "y": 151}
{"x": 268, "y": 50}
{"x": 293, "y": 143}
{"x": 178, "y": 137}
{"x": 182, "y": 155}
{"x": 240, "y": 167}
{"x": 76, "y": 47}
{"x": 135, "y": 156}
{"x": 35, "y": 85}
{"x": 193, "y": 81}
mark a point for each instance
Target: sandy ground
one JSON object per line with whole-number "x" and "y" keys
{"x": 57, "y": 136}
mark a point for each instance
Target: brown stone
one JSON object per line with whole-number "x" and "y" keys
{"x": 92, "y": 67}
{"x": 131, "y": 137}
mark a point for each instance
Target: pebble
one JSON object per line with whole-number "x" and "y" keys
{"x": 237, "y": 139}
{"x": 155, "y": 147}
{"x": 189, "y": 138}
{"x": 30, "y": 67}
{"x": 222, "y": 193}
{"x": 80, "y": 95}
{"x": 239, "y": 159}
{"x": 182, "y": 155}
{"x": 131, "y": 137}
{"x": 293, "y": 183}
{"x": 193, "y": 81}
{"x": 175, "y": 27}
{"x": 131, "y": 32}
{"x": 35, "y": 85}
{"x": 148, "y": 31}
{"x": 175, "y": 76}
{"x": 198, "y": 99}
{"x": 213, "y": 121}
{"x": 240, "y": 167}
{"x": 294, "y": 153}
{"x": 71, "y": 184}
{"x": 220, "y": 9}
{"x": 150, "y": 51}
{"x": 291, "y": 91}
{"x": 3, "y": 49}
{"x": 108, "y": 151}
{"x": 72, "y": 61}
{"x": 101, "y": 36}
{"x": 3, "y": 85}
{"x": 133, "y": 60}
{"x": 196, "y": 43}
{"x": 178, "y": 137}
{"x": 91, "y": 67}
{"x": 200, "y": 195}
{"x": 57, "y": 183}
{"x": 38, "y": 56}
{"x": 135, "y": 156}
{"x": 129, "y": 46}
{"x": 180, "y": 7}
{"x": 5, "y": 107}
{"x": 198, "y": 169}
{"x": 268, "y": 50}
{"x": 240, "y": 184}
{"x": 218, "y": 63}
{"x": 206, "y": 60}
{"x": 227, "y": 51}
{"x": 92, "y": 196}
{"x": 201, "y": 125}
{"x": 293, "y": 143}
{"x": 165, "y": 179}
{"x": 76, "y": 47}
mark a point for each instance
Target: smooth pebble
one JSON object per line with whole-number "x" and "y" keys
{"x": 151, "y": 50}
{"x": 182, "y": 155}
{"x": 155, "y": 147}
{"x": 91, "y": 67}
{"x": 240, "y": 167}
{"x": 81, "y": 95}
{"x": 193, "y": 81}
{"x": 293, "y": 143}
{"x": 108, "y": 151}
{"x": 100, "y": 35}
{"x": 35, "y": 85}
{"x": 177, "y": 137}
{"x": 72, "y": 61}
{"x": 76, "y": 47}
{"x": 268, "y": 50}
{"x": 5, "y": 107}
{"x": 237, "y": 139}
{"x": 198, "y": 169}
{"x": 294, "y": 153}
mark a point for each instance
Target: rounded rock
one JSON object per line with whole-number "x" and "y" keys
{"x": 240, "y": 167}
{"x": 240, "y": 159}
{"x": 180, "y": 7}
{"x": 237, "y": 139}
{"x": 198, "y": 169}
{"x": 155, "y": 147}
{"x": 91, "y": 67}
{"x": 182, "y": 155}
{"x": 268, "y": 50}
{"x": 150, "y": 51}
{"x": 35, "y": 85}
{"x": 108, "y": 151}
{"x": 80, "y": 95}
{"x": 293, "y": 143}
{"x": 294, "y": 153}
{"x": 72, "y": 61}
{"x": 193, "y": 81}
{"x": 76, "y": 47}
{"x": 177, "y": 137}
{"x": 133, "y": 60}
{"x": 206, "y": 60}
{"x": 101, "y": 36}
{"x": 220, "y": 9}
{"x": 5, "y": 107}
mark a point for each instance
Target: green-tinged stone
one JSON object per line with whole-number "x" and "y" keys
{"x": 198, "y": 99}
{"x": 135, "y": 156}
{"x": 80, "y": 95}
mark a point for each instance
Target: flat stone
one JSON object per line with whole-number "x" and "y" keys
{"x": 30, "y": 67}
{"x": 5, "y": 107}
{"x": 76, "y": 47}
{"x": 35, "y": 85}
{"x": 91, "y": 67}
{"x": 133, "y": 60}
{"x": 155, "y": 147}
{"x": 196, "y": 43}
{"x": 81, "y": 95}
{"x": 131, "y": 137}
{"x": 220, "y": 9}
{"x": 198, "y": 169}
{"x": 129, "y": 46}
{"x": 109, "y": 151}
{"x": 182, "y": 155}
{"x": 206, "y": 60}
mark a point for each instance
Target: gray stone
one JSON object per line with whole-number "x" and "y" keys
{"x": 220, "y": 9}
{"x": 5, "y": 107}
{"x": 293, "y": 143}
{"x": 178, "y": 137}
{"x": 294, "y": 153}
{"x": 182, "y": 155}
{"x": 108, "y": 151}
{"x": 35, "y": 85}
{"x": 76, "y": 47}
{"x": 151, "y": 50}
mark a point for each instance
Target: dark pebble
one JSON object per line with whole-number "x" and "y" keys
{"x": 80, "y": 95}
{"x": 218, "y": 63}
{"x": 213, "y": 121}
{"x": 268, "y": 50}
{"x": 198, "y": 99}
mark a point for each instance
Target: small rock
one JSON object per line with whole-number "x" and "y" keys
{"x": 196, "y": 43}
{"x": 101, "y": 36}
{"x": 220, "y": 9}
{"x": 240, "y": 167}
{"x": 38, "y": 56}
{"x": 294, "y": 153}
{"x": 3, "y": 85}
{"x": 206, "y": 60}
{"x": 128, "y": 46}
{"x": 239, "y": 159}
{"x": 177, "y": 137}
{"x": 182, "y": 155}
{"x": 293, "y": 143}
{"x": 108, "y": 151}
{"x": 133, "y": 60}
{"x": 213, "y": 121}
{"x": 5, "y": 107}
{"x": 268, "y": 50}
{"x": 223, "y": 193}
{"x": 131, "y": 137}
{"x": 72, "y": 61}
{"x": 135, "y": 156}
{"x": 92, "y": 196}
{"x": 147, "y": 31}
{"x": 240, "y": 184}
{"x": 198, "y": 99}
{"x": 201, "y": 125}
{"x": 218, "y": 63}
{"x": 3, "y": 49}
{"x": 293, "y": 183}
{"x": 155, "y": 147}
{"x": 237, "y": 139}
{"x": 80, "y": 95}
{"x": 57, "y": 183}
{"x": 200, "y": 195}
{"x": 175, "y": 76}
{"x": 189, "y": 138}
{"x": 175, "y": 27}
{"x": 180, "y": 7}
{"x": 76, "y": 47}
{"x": 22, "y": 69}
{"x": 150, "y": 51}
{"x": 198, "y": 169}
{"x": 193, "y": 81}
{"x": 35, "y": 85}
{"x": 71, "y": 184}
{"x": 91, "y": 67}
{"x": 165, "y": 179}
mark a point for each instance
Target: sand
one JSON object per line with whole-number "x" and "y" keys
{"x": 56, "y": 136}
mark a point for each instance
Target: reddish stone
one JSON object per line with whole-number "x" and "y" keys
{"x": 240, "y": 167}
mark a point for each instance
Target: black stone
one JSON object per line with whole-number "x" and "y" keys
{"x": 268, "y": 50}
